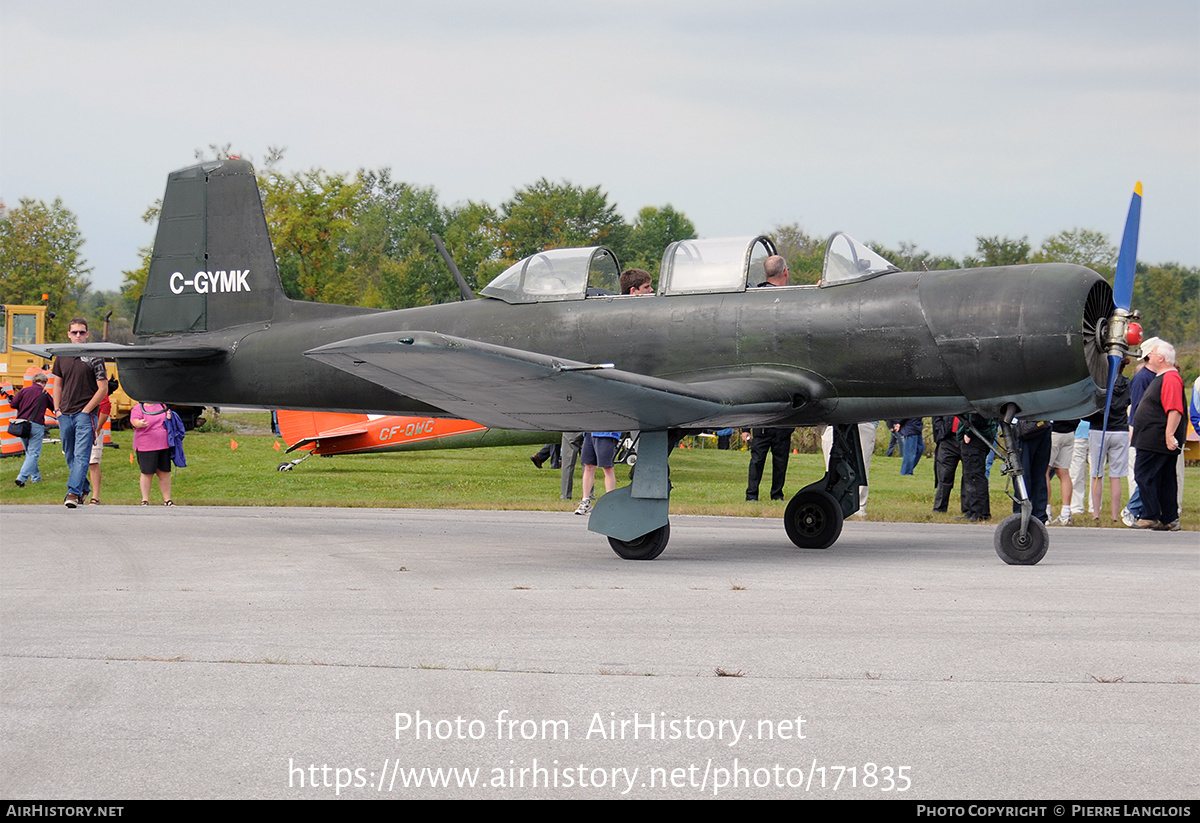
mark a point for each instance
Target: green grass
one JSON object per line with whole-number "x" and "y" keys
{"x": 705, "y": 480}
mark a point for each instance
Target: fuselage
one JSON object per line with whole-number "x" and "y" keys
{"x": 902, "y": 345}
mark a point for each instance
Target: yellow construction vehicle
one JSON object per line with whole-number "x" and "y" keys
{"x": 21, "y": 325}
{"x": 26, "y": 325}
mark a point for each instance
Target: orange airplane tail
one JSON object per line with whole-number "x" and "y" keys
{"x": 329, "y": 433}
{"x": 299, "y": 429}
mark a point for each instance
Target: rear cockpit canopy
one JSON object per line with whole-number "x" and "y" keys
{"x": 558, "y": 274}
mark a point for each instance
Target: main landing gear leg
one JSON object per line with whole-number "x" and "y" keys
{"x": 634, "y": 517}
{"x": 1021, "y": 539}
{"x": 813, "y": 519}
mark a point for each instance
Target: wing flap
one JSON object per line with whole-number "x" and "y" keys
{"x": 503, "y": 387}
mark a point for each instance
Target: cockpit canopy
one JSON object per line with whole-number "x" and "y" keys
{"x": 847, "y": 259}
{"x": 728, "y": 264}
{"x": 558, "y": 274}
{"x": 721, "y": 265}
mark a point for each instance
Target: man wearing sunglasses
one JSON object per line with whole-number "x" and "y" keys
{"x": 82, "y": 383}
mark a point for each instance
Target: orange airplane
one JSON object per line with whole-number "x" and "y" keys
{"x": 330, "y": 433}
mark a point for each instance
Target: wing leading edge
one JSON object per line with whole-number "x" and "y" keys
{"x": 503, "y": 387}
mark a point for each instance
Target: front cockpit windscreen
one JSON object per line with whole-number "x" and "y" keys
{"x": 847, "y": 259}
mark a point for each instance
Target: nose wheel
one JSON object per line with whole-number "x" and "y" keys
{"x": 1016, "y": 549}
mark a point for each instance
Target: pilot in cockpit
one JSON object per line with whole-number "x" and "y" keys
{"x": 776, "y": 270}
{"x": 636, "y": 282}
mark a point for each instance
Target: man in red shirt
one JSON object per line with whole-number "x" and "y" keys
{"x": 1159, "y": 429}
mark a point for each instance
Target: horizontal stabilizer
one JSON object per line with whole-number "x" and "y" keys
{"x": 299, "y": 428}
{"x": 325, "y": 438}
{"x": 117, "y": 351}
{"x": 504, "y": 387}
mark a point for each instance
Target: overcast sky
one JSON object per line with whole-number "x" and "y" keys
{"x": 930, "y": 122}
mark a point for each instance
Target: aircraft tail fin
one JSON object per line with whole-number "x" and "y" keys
{"x": 212, "y": 266}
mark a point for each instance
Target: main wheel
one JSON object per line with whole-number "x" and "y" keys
{"x": 813, "y": 520}
{"x": 646, "y": 547}
{"x": 1021, "y": 551}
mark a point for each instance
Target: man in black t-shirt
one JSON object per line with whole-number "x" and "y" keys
{"x": 82, "y": 384}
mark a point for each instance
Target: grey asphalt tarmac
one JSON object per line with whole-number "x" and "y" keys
{"x": 317, "y": 653}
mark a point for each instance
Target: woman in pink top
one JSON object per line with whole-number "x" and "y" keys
{"x": 149, "y": 422}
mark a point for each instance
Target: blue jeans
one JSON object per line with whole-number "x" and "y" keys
{"x": 78, "y": 431}
{"x": 1135, "y": 503}
{"x": 33, "y": 450}
{"x": 913, "y": 447}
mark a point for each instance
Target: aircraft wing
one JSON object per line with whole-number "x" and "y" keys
{"x": 503, "y": 387}
{"x": 114, "y": 351}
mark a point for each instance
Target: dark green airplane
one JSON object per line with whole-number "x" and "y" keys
{"x": 551, "y": 347}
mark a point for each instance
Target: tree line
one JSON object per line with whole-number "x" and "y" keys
{"x": 366, "y": 239}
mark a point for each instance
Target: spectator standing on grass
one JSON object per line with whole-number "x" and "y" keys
{"x": 32, "y": 403}
{"x": 153, "y": 448}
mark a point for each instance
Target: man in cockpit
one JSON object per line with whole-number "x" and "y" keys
{"x": 636, "y": 282}
{"x": 776, "y": 270}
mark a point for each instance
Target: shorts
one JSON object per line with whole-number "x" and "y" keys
{"x": 1115, "y": 451}
{"x": 151, "y": 462}
{"x": 1062, "y": 449}
{"x": 599, "y": 451}
{"x": 97, "y": 448}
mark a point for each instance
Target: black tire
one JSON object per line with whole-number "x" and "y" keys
{"x": 646, "y": 547}
{"x": 285, "y": 467}
{"x": 1017, "y": 551}
{"x": 813, "y": 520}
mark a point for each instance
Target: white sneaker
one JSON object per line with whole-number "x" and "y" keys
{"x": 1064, "y": 519}
{"x": 1127, "y": 516}
{"x": 585, "y": 506}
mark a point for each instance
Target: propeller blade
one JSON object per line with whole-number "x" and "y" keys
{"x": 1114, "y": 366}
{"x": 1123, "y": 295}
{"x": 1127, "y": 259}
